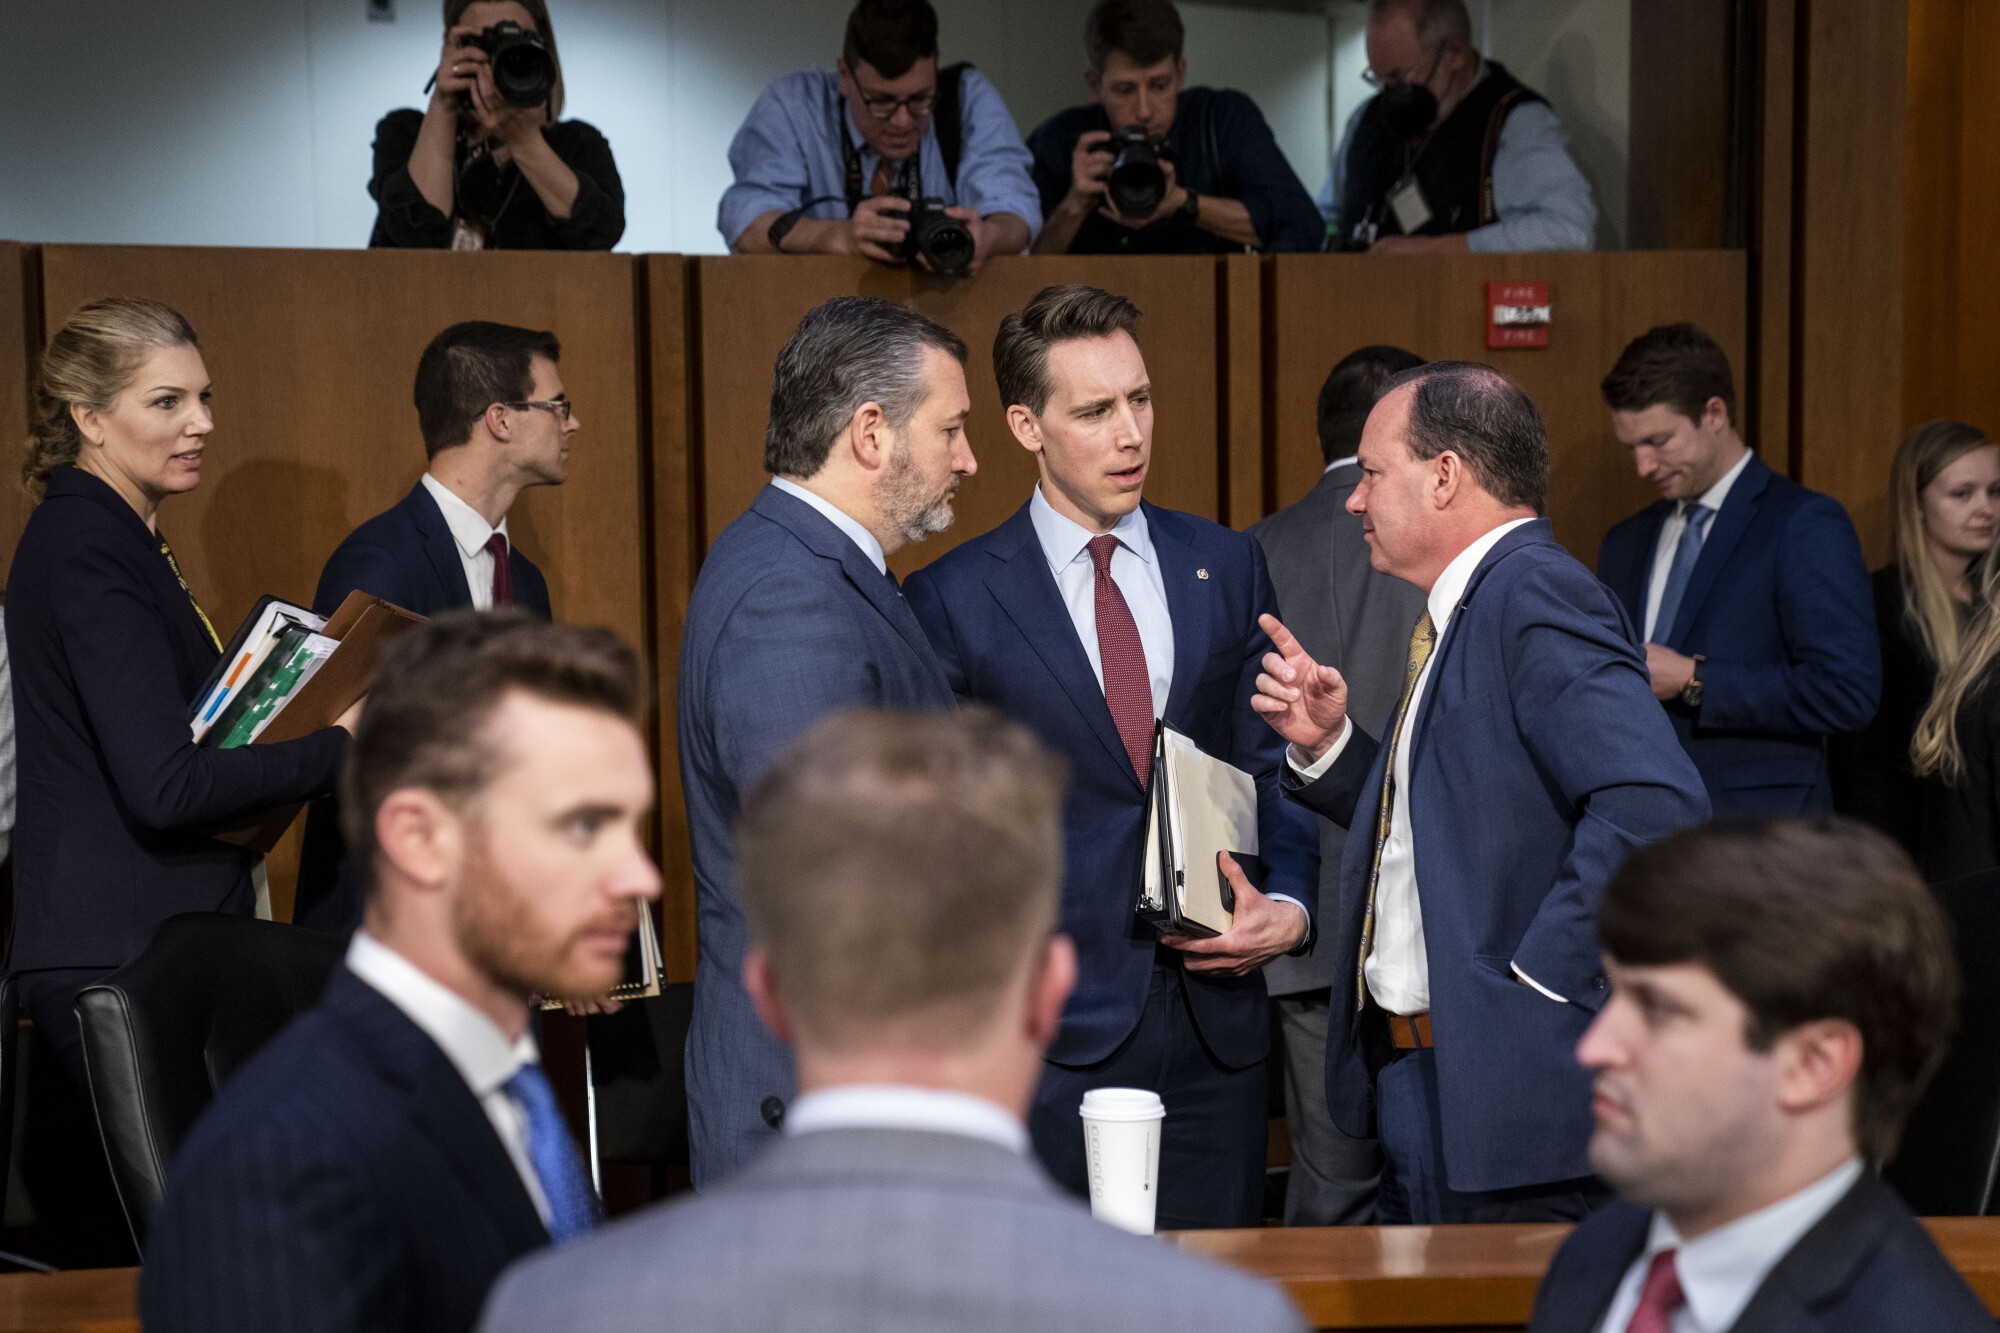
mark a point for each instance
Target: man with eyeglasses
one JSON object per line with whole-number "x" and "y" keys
{"x": 1452, "y": 153}
{"x": 828, "y": 162}
{"x": 495, "y": 421}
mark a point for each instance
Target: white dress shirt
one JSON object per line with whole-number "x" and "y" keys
{"x": 479, "y": 1051}
{"x": 1670, "y": 540}
{"x": 840, "y": 518}
{"x": 888, "y": 1106}
{"x": 1134, "y": 568}
{"x": 469, "y": 533}
{"x": 1721, "y": 1271}
{"x": 1397, "y": 968}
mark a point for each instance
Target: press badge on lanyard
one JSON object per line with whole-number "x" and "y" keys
{"x": 466, "y": 235}
{"x": 1409, "y": 205}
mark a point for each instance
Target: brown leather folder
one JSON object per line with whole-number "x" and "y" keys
{"x": 363, "y": 625}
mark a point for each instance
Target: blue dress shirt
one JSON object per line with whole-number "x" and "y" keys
{"x": 1542, "y": 198}
{"x": 789, "y": 150}
{"x": 1135, "y": 570}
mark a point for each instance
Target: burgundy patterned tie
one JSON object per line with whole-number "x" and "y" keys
{"x": 1128, "y": 686}
{"x": 503, "y": 577}
{"x": 1659, "y": 1297}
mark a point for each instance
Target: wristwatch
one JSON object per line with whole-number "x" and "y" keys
{"x": 1691, "y": 692}
{"x": 1189, "y": 209}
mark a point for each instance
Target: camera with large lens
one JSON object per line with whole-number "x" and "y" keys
{"x": 944, "y": 241}
{"x": 523, "y": 71}
{"x": 1137, "y": 183}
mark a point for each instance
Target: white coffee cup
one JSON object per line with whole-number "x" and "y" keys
{"x": 1121, "y": 1147}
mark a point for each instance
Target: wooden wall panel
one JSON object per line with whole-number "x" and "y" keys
{"x": 20, "y": 332}
{"x": 312, "y": 355}
{"x": 1678, "y": 166}
{"x": 1324, "y": 306}
{"x": 1847, "y": 323}
{"x": 1247, "y": 440}
{"x": 672, "y": 384}
{"x": 749, "y": 305}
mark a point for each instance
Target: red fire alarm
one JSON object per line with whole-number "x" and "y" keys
{"x": 1517, "y": 314}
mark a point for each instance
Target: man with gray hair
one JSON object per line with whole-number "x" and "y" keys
{"x": 1453, "y": 153}
{"x": 795, "y": 616}
{"x": 901, "y": 874}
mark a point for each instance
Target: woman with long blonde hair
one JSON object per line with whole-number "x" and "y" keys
{"x": 108, "y": 646}
{"x": 1944, "y": 495}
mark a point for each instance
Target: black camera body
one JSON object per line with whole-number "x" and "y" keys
{"x": 1137, "y": 183}
{"x": 945, "y": 242}
{"x": 523, "y": 71}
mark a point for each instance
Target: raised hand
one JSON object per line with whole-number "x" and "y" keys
{"x": 1304, "y": 702}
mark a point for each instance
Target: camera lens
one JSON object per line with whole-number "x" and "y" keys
{"x": 523, "y": 73}
{"x": 945, "y": 242}
{"x": 1136, "y": 184}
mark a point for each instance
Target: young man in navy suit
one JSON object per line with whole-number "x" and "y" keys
{"x": 1524, "y": 761}
{"x": 495, "y": 421}
{"x": 795, "y": 616}
{"x": 1748, "y": 590}
{"x": 1781, "y": 993}
{"x": 1087, "y": 616}
{"x": 379, "y": 1162}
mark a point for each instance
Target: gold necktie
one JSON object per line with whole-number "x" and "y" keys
{"x": 1422, "y": 639}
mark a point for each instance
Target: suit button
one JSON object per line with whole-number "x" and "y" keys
{"x": 1597, "y": 983}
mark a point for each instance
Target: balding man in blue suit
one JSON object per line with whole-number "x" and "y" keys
{"x": 1524, "y": 761}
{"x": 795, "y": 615}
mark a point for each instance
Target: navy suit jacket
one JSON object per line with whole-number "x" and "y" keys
{"x": 997, "y": 619}
{"x": 107, "y": 654}
{"x": 1864, "y": 1267}
{"x": 345, "y": 1179}
{"x": 405, "y": 555}
{"x": 1539, "y": 760}
{"x": 789, "y": 621}
{"x": 1779, "y": 605}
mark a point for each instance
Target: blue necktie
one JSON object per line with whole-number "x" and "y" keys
{"x": 572, "y": 1206}
{"x": 1682, "y": 569}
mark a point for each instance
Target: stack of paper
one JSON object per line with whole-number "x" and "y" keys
{"x": 258, "y": 664}
{"x": 1198, "y": 807}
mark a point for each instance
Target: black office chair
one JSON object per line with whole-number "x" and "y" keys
{"x": 639, "y": 1086}
{"x": 1949, "y": 1164}
{"x": 162, "y": 1034}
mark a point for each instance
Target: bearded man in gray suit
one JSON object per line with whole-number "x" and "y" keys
{"x": 1345, "y": 612}
{"x": 900, "y": 873}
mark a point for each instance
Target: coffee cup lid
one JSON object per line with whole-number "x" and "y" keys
{"x": 1123, "y": 1104}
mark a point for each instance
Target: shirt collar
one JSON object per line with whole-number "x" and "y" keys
{"x": 469, "y": 528}
{"x": 840, "y": 518}
{"x": 480, "y": 1052}
{"x": 1713, "y": 497}
{"x": 1721, "y": 1271}
{"x": 1064, "y": 539}
{"x": 1450, "y": 585}
{"x": 883, "y": 1106}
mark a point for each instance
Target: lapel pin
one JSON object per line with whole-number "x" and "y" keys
{"x": 1201, "y": 574}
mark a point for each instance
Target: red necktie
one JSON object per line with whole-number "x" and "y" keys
{"x": 503, "y": 577}
{"x": 1128, "y": 686}
{"x": 1659, "y": 1298}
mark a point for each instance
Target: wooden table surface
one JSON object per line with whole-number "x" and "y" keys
{"x": 1353, "y": 1278}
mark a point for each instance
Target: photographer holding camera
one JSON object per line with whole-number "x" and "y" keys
{"x": 887, "y": 156}
{"x": 1154, "y": 167}
{"x": 487, "y": 166}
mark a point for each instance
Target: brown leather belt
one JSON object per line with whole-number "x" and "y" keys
{"x": 1409, "y": 1032}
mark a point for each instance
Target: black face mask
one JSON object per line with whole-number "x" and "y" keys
{"x": 1407, "y": 108}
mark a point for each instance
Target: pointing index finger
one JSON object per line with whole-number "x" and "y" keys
{"x": 1281, "y": 638}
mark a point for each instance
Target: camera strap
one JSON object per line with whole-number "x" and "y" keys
{"x": 947, "y": 119}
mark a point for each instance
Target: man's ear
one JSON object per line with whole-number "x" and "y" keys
{"x": 1049, "y": 988}
{"x": 498, "y": 424}
{"x": 1447, "y": 478}
{"x": 1027, "y": 430}
{"x": 1817, "y": 1063}
{"x": 1715, "y": 415}
{"x": 868, "y": 438}
{"x": 422, "y": 837}
{"x": 764, "y": 998}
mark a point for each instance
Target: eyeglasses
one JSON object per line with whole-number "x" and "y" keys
{"x": 883, "y": 107}
{"x": 1378, "y": 82}
{"x": 559, "y": 406}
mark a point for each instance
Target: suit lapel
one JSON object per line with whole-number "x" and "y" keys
{"x": 1027, "y": 592}
{"x": 1187, "y": 603}
{"x": 438, "y": 545}
{"x": 1589, "y": 1289}
{"x": 1824, "y": 1261}
{"x": 440, "y": 1105}
{"x": 1635, "y": 579}
{"x": 1536, "y": 533}
{"x": 1724, "y": 531}
{"x": 824, "y": 539}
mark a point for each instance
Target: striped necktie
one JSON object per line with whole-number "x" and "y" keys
{"x": 1422, "y": 639}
